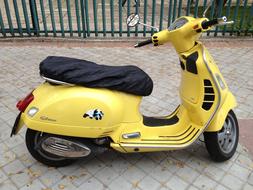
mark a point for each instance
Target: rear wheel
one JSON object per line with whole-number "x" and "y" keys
{"x": 33, "y": 143}
{"x": 222, "y": 144}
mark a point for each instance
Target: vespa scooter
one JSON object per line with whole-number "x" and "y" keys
{"x": 83, "y": 107}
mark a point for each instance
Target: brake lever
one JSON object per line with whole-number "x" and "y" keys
{"x": 223, "y": 21}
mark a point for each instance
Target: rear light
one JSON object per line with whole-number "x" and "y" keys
{"x": 22, "y": 104}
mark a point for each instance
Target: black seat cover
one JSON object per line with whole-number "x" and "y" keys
{"x": 130, "y": 79}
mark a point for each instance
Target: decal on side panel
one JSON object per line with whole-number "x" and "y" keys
{"x": 94, "y": 113}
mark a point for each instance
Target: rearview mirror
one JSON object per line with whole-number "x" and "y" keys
{"x": 133, "y": 20}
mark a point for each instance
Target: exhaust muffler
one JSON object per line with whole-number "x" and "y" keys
{"x": 65, "y": 148}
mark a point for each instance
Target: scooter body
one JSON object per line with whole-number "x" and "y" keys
{"x": 90, "y": 113}
{"x": 205, "y": 103}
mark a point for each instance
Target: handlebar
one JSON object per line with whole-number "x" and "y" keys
{"x": 140, "y": 44}
{"x": 216, "y": 21}
{"x": 209, "y": 23}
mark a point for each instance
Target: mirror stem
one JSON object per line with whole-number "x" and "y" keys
{"x": 156, "y": 28}
{"x": 207, "y": 8}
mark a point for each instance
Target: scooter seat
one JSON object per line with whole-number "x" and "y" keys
{"x": 129, "y": 79}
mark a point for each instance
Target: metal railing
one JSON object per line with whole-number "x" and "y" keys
{"x": 102, "y": 18}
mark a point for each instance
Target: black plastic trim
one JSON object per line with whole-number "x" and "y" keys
{"x": 15, "y": 126}
{"x": 182, "y": 65}
{"x": 191, "y": 65}
{"x": 207, "y": 82}
{"x": 157, "y": 122}
{"x": 209, "y": 90}
{"x": 207, "y": 105}
{"x": 209, "y": 98}
{"x": 171, "y": 139}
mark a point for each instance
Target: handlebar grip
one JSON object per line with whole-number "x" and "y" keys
{"x": 140, "y": 44}
{"x": 206, "y": 24}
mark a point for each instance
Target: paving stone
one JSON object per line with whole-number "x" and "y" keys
{"x": 120, "y": 183}
{"x": 232, "y": 182}
{"x": 149, "y": 183}
{"x": 22, "y": 178}
{"x": 132, "y": 158}
{"x": 192, "y": 188}
{"x": 240, "y": 172}
{"x": 161, "y": 174}
{"x": 34, "y": 185}
{"x": 5, "y": 132}
{"x": 27, "y": 159}
{"x": 92, "y": 184}
{"x": 204, "y": 182}
{"x": 93, "y": 166}
{"x": 221, "y": 187}
{"x": 69, "y": 170}
{"x": 172, "y": 164}
{"x": 20, "y": 150}
{"x": 79, "y": 176}
{"x": 245, "y": 161}
{"x": 14, "y": 167}
{"x": 6, "y": 158}
{"x": 157, "y": 157}
{"x": 134, "y": 174}
{"x": 8, "y": 184}
{"x": 65, "y": 184}
{"x": 12, "y": 142}
{"x": 120, "y": 165}
{"x": 176, "y": 183}
{"x": 250, "y": 178}
{"x": 3, "y": 177}
{"x": 197, "y": 164}
{"x": 106, "y": 175}
{"x": 248, "y": 187}
{"x": 3, "y": 148}
{"x": 214, "y": 172}
{"x": 146, "y": 164}
{"x": 188, "y": 174}
{"x": 51, "y": 177}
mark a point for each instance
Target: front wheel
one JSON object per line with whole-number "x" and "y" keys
{"x": 222, "y": 144}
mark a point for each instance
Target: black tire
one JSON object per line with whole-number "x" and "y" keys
{"x": 222, "y": 144}
{"x": 32, "y": 144}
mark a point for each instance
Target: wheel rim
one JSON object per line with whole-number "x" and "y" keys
{"x": 48, "y": 156}
{"x": 227, "y": 136}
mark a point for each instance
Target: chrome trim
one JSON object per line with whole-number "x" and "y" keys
{"x": 131, "y": 135}
{"x": 216, "y": 86}
{"x": 64, "y": 148}
{"x": 220, "y": 81}
{"x": 201, "y": 130}
{"x": 57, "y": 81}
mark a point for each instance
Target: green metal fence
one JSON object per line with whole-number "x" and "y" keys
{"x": 102, "y": 18}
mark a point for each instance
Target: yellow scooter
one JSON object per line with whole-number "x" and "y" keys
{"x": 83, "y": 107}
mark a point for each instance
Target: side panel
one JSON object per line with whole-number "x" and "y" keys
{"x": 69, "y": 110}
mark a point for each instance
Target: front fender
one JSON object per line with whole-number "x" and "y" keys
{"x": 219, "y": 119}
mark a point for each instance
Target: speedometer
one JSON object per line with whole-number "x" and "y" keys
{"x": 178, "y": 24}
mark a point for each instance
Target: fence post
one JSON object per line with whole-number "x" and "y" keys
{"x": 34, "y": 15}
{"x": 2, "y": 24}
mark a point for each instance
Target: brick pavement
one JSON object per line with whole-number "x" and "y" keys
{"x": 184, "y": 169}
